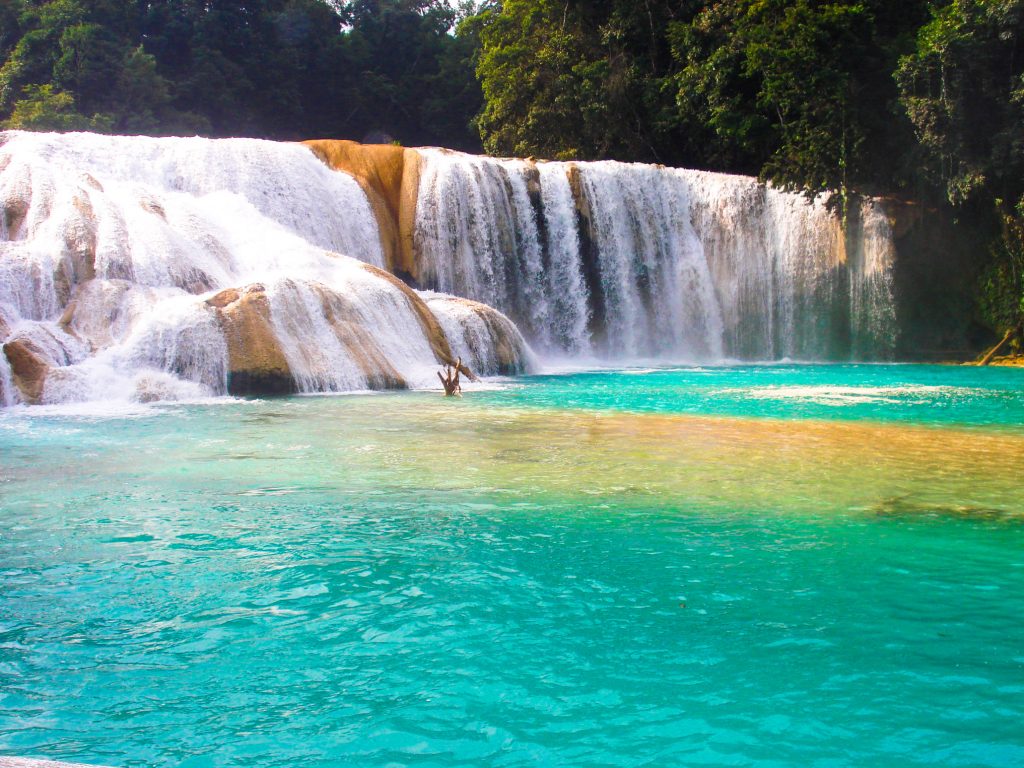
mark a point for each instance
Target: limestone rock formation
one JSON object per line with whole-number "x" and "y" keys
{"x": 428, "y": 322}
{"x": 102, "y": 312}
{"x": 256, "y": 362}
{"x": 390, "y": 177}
{"x": 480, "y": 335}
{"x": 34, "y": 351}
{"x": 262, "y": 328}
{"x": 29, "y": 368}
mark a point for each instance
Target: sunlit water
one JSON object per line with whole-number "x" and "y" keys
{"x": 771, "y": 566}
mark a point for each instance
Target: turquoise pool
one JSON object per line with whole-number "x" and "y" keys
{"x": 769, "y": 566}
{"x": 924, "y": 394}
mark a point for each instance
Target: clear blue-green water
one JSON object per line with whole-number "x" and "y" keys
{"x": 926, "y": 394}
{"x": 770, "y": 566}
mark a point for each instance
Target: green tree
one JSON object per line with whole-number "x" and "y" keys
{"x": 412, "y": 80}
{"x": 31, "y": 59}
{"x": 90, "y": 60}
{"x": 285, "y": 69}
{"x": 963, "y": 88}
{"x": 543, "y": 92}
{"x": 799, "y": 91}
{"x": 45, "y": 109}
{"x": 143, "y": 97}
{"x": 964, "y": 92}
{"x": 10, "y": 26}
{"x": 580, "y": 79}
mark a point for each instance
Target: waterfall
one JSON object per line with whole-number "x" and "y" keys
{"x": 326, "y": 335}
{"x": 871, "y": 286}
{"x": 138, "y": 269}
{"x": 482, "y": 338}
{"x": 629, "y": 261}
{"x": 7, "y": 392}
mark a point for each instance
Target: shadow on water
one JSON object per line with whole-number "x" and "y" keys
{"x": 905, "y": 507}
{"x": 269, "y": 417}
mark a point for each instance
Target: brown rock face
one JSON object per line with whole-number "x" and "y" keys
{"x": 904, "y": 215}
{"x": 14, "y": 212}
{"x": 505, "y": 339}
{"x": 256, "y": 363}
{"x": 390, "y": 177}
{"x": 29, "y": 369}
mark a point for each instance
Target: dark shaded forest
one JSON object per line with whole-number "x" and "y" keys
{"x": 279, "y": 69}
{"x": 918, "y": 99}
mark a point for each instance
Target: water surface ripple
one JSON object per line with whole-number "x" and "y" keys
{"x": 404, "y": 580}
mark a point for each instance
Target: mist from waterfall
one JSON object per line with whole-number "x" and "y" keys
{"x": 625, "y": 262}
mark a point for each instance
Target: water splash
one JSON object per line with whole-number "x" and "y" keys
{"x": 8, "y": 392}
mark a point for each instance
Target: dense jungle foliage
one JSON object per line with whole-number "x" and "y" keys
{"x": 921, "y": 99}
{"x": 282, "y": 69}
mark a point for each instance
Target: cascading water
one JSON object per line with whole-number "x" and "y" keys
{"x": 635, "y": 261}
{"x": 134, "y": 268}
{"x": 6, "y": 384}
{"x": 483, "y": 339}
{"x": 477, "y": 233}
{"x": 142, "y": 268}
{"x": 871, "y": 286}
{"x": 651, "y": 269}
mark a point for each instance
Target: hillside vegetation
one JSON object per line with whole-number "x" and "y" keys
{"x": 918, "y": 99}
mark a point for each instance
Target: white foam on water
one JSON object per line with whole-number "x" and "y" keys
{"x": 841, "y": 395}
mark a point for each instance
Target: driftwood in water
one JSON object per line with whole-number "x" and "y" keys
{"x": 463, "y": 369}
{"x": 995, "y": 350}
{"x": 450, "y": 379}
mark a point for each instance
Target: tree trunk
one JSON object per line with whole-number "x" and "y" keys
{"x": 450, "y": 379}
{"x": 995, "y": 350}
